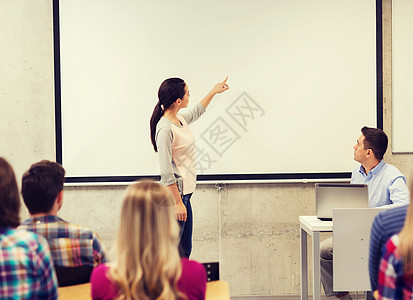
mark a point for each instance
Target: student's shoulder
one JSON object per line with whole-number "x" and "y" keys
{"x": 25, "y": 239}
{"x": 80, "y": 231}
{"x": 396, "y": 212}
{"x": 189, "y": 263}
{"x": 101, "y": 285}
{"x": 391, "y": 171}
{"x": 392, "y": 217}
{"x": 100, "y": 271}
{"x": 193, "y": 267}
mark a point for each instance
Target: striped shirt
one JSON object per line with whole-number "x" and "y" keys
{"x": 71, "y": 245}
{"x": 385, "y": 224}
{"x": 393, "y": 282}
{"x": 26, "y": 268}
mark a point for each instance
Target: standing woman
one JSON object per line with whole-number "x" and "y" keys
{"x": 396, "y": 267}
{"x": 175, "y": 144}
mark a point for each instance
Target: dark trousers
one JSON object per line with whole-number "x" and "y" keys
{"x": 185, "y": 243}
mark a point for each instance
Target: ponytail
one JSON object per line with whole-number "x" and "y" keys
{"x": 169, "y": 91}
{"x": 156, "y": 116}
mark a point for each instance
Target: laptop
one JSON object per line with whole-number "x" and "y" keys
{"x": 339, "y": 195}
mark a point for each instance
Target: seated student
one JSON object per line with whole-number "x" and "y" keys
{"x": 147, "y": 264}
{"x": 385, "y": 224}
{"x": 395, "y": 279}
{"x": 26, "y": 268}
{"x": 71, "y": 245}
{"x": 387, "y": 186}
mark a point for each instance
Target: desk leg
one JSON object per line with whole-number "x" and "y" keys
{"x": 316, "y": 266}
{"x": 304, "y": 266}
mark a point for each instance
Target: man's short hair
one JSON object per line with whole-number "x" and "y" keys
{"x": 376, "y": 140}
{"x": 41, "y": 184}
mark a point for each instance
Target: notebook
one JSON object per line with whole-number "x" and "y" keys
{"x": 339, "y": 195}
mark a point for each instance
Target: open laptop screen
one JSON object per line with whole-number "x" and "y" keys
{"x": 339, "y": 195}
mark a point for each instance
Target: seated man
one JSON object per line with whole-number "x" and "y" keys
{"x": 26, "y": 266}
{"x": 387, "y": 187}
{"x": 71, "y": 245}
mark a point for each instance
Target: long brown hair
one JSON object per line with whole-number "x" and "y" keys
{"x": 406, "y": 235}
{"x": 9, "y": 196}
{"x": 148, "y": 265}
{"x": 170, "y": 90}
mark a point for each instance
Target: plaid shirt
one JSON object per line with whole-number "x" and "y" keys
{"x": 71, "y": 245}
{"x": 26, "y": 268}
{"x": 393, "y": 283}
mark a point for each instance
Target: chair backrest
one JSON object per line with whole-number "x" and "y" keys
{"x": 351, "y": 240}
{"x": 212, "y": 271}
{"x": 73, "y": 275}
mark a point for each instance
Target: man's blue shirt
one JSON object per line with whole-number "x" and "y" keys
{"x": 386, "y": 184}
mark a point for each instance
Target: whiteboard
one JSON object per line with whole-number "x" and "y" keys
{"x": 402, "y": 64}
{"x": 302, "y": 77}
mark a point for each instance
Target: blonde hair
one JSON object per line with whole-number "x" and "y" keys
{"x": 406, "y": 235}
{"x": 148, "y": 265}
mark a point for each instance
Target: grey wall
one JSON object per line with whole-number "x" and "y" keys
{"x": 252, "y": 229}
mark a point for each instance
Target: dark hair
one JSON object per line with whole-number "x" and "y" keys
{"x": 41, "y": 184}
{"x": 9, "y": 196}
{"x": 169, "y": 91}
{"x": 376, "y": 140}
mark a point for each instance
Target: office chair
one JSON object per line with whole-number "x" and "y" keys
{"x": 73, "y": 275}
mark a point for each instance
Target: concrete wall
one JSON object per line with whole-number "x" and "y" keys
{"x": 252, "y": 229}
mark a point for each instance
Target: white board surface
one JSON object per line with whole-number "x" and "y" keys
{"x": 402, "y": 64}
{"x": 302, "y": 77}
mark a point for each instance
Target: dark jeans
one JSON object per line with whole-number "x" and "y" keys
{"x": 185, "y": 244}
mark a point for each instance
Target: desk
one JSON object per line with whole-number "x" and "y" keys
{"x": 217, "y": 290}
{"x": 311, "y": 225}
{"x": 78, "y": 292}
